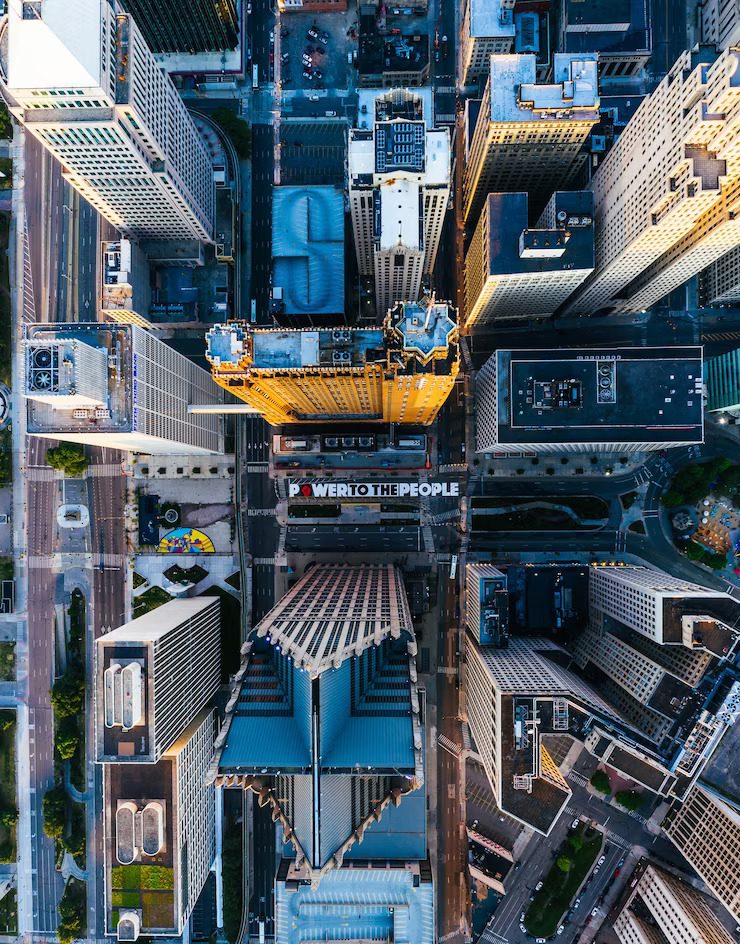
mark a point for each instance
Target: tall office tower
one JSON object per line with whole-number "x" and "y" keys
{"x": 400, "y": 373}
{"x": 83, "y": 81}
{"x": 512, "y": 271}
{"x": 722, "y": 374}
{"x": 529, "y": 137}
{"x": 661, "y": 907}
{"x": 599, "y": 399}
{"x": 705, "y": 828}
{"x": 487, "y": 29}
{"x": 720, "y": 282}
{"x": 620, "y": 29}
{"x": 662, "y": 220}
{"x": 516, "y": 697}
{"x": 152, "y": 677}
{"x": 666, "y": 609}
{"x": 200, "y": 26}
{"x": 159, "y": 836}
{"x": 720, "y": 22}
{"x": 117, "y": 385}
{"x": 487, "y": 605}
{"x": 399, "y": 170}
{"x": 325, "y": 727}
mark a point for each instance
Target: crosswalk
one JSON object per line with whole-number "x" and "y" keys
{"x": 578, "y": 778}
{"x": 448, "y": 745}
{"x": 267, "y": 512}
{"x": 721, "y": 336}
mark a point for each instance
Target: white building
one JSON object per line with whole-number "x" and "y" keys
{"x": 487, "y": 29}
{"x": 152, "y": 677}
{"x": 720, "y": 282}
{"x": 597, "y": 399}
{"x": 117, "y": 385}
{"x": 720, "y": 22}
{"x": 399, "y": 186}
{"x": 529, "y": 137}
{"x": 662, "y": 219}
{"x": 514, "y": 271}
{"x": 83, "y": 82}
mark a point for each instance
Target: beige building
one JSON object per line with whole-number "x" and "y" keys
{"x": 487, "y": 29}
{"x": 720, "y": 22}
{"x": 706, "y": 830}
{"x": 663, "y": 219}
{"x": 663, "y": 908}
{"x": 720, "y": 282}
{"x": 529, "y": 137}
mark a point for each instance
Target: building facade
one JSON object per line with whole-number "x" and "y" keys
{"x": 529, "y": 137}
{"x": 514, "y": 271}
{"x": 400, "y": 373}
{"x": 604, "y": 400}
{"x": 202, "y": 26}
{"x": 84, "y": 83}
{"x": 487, "y": 29}
{"x": 399, "y": 169}
{"x": 663, "y": 220}
{"x": 720, "y": 22}
{"x": 487, "y": 604}
{"x": 152, "y": 676}
{"x": 720, "y": 282}
{"x": 723, "y": 383}
{"x": 706, "y": 831}
{"x": 116, "y": 385}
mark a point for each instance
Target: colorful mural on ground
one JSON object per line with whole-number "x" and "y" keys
{"x": 186, "y": 541}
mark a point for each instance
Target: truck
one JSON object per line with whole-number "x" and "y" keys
{"x": 253, "y": 312}
{"x": 255, "y": 76}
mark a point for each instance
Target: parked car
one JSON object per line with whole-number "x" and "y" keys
{"x": 574, "y": 824}
{"x": 307, "y": 75}
{"x": 538, "y": 886}
{"x": 313, "y": 98}
{"x": 576, "y": 903}
{"x": 602, "y": 860}
{"x": 522, "y": 929}
{"x": 561, "y": 929}
{"x": 285, "y": 57}
{"x": 594, "y": 912}
{"x": 318, "y": 73}
{"x": 324, "y": 38}
{"x": 313, "y": 33}
{"x": 521, "y": 916}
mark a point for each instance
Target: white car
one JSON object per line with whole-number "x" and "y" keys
{"x": 576, "y": 903}
{"x": 313, "y": 98}
{"x": 538, "y": 886}
{"x": 561, "y": 929}
{"x": 522, "y": 929}
{"x": 521, "y": 917}
{"x": 574, "y": 824}
{"x": 602, "y": 860}
{"x": 594, "y": 912}
{"x": 541, "y": 940}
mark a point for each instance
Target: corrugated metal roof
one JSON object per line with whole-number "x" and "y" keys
{"x": 259, "y": 741}
{"x": 380, "y": 742}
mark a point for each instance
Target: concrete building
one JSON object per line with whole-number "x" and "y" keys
{"x": 325, "y": 726}
{"x": 512, "y": 271}
{"x": 605, "y": 400}
{"x": 720, "y": 22}
{"x": 661, "y": 221}
{"x": 529, "y": 137}
{"x": 201, "y": 26}
{"x": 312, "y": 6}
{"x": 662, "y": 907}
{"x": 401, "y": 372}
{"x": 81, "y": 79}
{"x": 389, "y": 60}
{"x": 487, "y": 29}
{"x": 307, "y": 255}
{"x": 722, "y": 376}
{"x": 487, "y": 605}
{"x": 116, "y": 385}
{"x": 666, "y": 609}
{"x": 515, "y": 698}
{"x": 620, "y": 29}
{"x": 720, "y": 282}
{"x": 152, "y": 677}
{"x": 159, "y": 835}
{"x": 705, "y": 828}
{"x": 399, "y": 170}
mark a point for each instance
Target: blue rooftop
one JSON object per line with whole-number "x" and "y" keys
{"x": 339, "y": 347}
{"x": 258, "y": 741}
{"x": 424, "y": 327}
{"x": 379, "y": 742}
{"x": 225, "y": 342}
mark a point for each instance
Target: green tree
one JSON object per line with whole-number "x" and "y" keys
{"x": 564, "y": 863}
{"x": 75, "y": 842}
{"x": 67, "y": 737}
{"x": 629, "y": 799}
{"x": 6, "y": 126}
{"x": 71, "y": 913}
{"x": 600, "y": 781}
{"x": 9, "y": 817}
{"x": 238, "y": 131}
{"x": 54, "y": 808}
{"x": 68, "y": 458}
{"x": 68, "y": 695}
{"x": 7, "y": 720}
{"x": 575, "y": 841}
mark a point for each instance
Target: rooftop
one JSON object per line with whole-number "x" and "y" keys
{"x": 426, "y": 328}
{"x": 721, "y": 772}
{"x": 488, "y": 19}
{"x": 600, "y": 395}
{"x": 399, "y": 215}
{"x": 308, "y": 249}
{"x": 410, "y": 104}
{"x": 516, "y": 96}
{"x": 157, "y": 623}
{"x": 515, "y": 248}
{"x": 379, "y": 54}
{"x": 611, "y": 26}
{"x": 399, "y": 145}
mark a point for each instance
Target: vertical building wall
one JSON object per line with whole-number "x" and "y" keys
{"x": 723, "y": 382}
{"x": 482, "y": 710}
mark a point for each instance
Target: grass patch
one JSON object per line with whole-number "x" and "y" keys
{"x": 8, "y": 799}
{"x": 138, "y": 580}
{"x": 139, "y": 877}
{"x": 6, "y": 345}
{"x": 7, "y": 661}
{"x": 157, "y": 909}
{"x": 7, "y": 568}
{"x": 559, "y": 887}
{"x": 6, "y": 125}
{"x": 150, "y": 600}
{"x": 125, "y": 899}
{"x": 9, "y": 913}
{"x": 6, "y": 452}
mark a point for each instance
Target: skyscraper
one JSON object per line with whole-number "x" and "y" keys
{"x": 663, "y": 219}
{"x": 399, "y": 184}
{"x": 152, "y": 677}
{"x": 117, "y": 385}
{"x": 723, "y": 383}
{"x": 199, "y": 26}
{"x": 514, "y": 271}
{"x": 720, "y": 282}
{"x": 487, "y": 28}
{"x": 529, "y": 137}
{"x": 326, "y": 728}
{"x": 82, "y": 80}
{"x": 400, "y": 373}
{"x": 662, "y": 903}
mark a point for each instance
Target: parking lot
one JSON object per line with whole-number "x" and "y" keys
{"x": 312, "y": 152}
{"x": 326, "y": 66}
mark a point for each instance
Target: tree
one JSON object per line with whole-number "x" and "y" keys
{"x": 9, "y": 817}
{"x": 67, "y": 737}
{"x": 237, "y": 130}
{"x": 600, "y": 781}
{"x": 68, "y": 695}
{"x": 75, "y": 842}
{"x": 576, "y": 841}
{"x": 54, "y": 808}
{"x": 7, "y": 720}
{"x": 564, "y": 863}
{"x": 6, "y": 126}
{"x": 68, "y": 458}
{"x": 629, "y": 799}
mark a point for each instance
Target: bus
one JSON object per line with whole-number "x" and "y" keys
{"x": 255, "y": 77}
{"x": 253, "y": 312}
{"x": 453, "y": 567}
